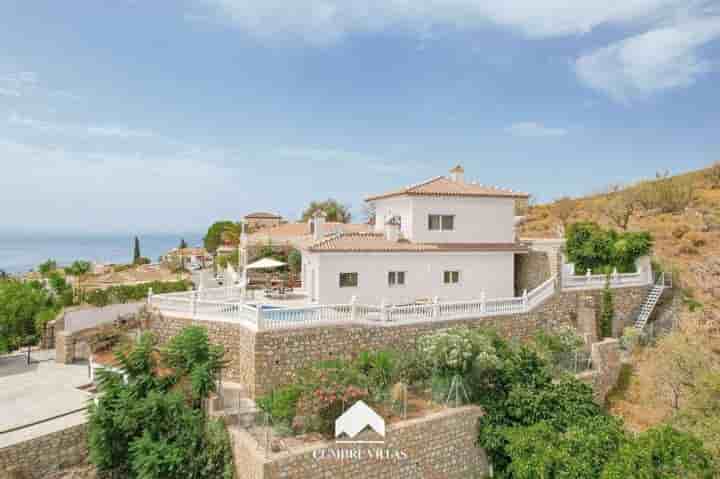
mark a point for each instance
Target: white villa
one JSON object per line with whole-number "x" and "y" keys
{"x": 444, "y": 238}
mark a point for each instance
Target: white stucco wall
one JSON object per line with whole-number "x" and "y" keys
{"x": 389, "y": 207}
{"x": 491, "y": 272}
{"x": 477, "y": 220}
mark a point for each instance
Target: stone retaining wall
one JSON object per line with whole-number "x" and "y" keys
{"x": 265, "y": 360}
{"x": 441, "y": 445}
{"x": 41, "y": 456}
{"x": 238, "y": 341}
{"x": 281, "y": 354}
{"x": 606, "y": 363}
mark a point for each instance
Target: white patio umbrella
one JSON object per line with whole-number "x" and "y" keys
{"x": 265, "y": 263}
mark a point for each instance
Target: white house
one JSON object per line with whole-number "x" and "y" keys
{"x": 444, "y": 238}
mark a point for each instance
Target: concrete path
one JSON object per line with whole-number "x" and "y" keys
{"x": 42, "y": 390}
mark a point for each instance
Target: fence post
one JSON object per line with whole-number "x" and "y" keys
{"x": 259, "y": 318}
{"x": 383, "y": 310}
{"x": 482, "y": 302}
{"x": 353, "y": 308}
{"x": 436, "y": 307}
{"x": 149, "y": 297}
{"x": 588, "y": 276}
{"x": 615, "y": 275}
{"x": 525, "y": 299}
{"x": 194, "y": 304}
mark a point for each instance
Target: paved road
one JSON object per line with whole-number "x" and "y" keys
{"x": 206, "y": 276}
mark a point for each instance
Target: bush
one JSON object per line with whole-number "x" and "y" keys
{"x": 607, "y": 312}
{"x": 680, "y": 230}
{"x": 146, "y": 427}
{"x": 688, "y": 248}
{"x": 712, "y": 175}
{"x": 593, "y": 248}
{"x": 667, "y": 194}
{"x": 281, "y": 404}
{"x": 662, "y": 452}
{"x": 696, "y": 239}
{"x": 137, "y": 292}
{"x": 453, "y": 351}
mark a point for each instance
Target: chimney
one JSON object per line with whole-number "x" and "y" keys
{"x": 318, "y": 220}
{"x": 457, "y": 174}
{"x": 392, "y": 229}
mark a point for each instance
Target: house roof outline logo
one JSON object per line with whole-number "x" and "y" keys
{"x": 360, "y": 416}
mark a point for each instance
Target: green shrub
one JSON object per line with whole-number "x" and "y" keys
{"x": 662, "y": 453}
{"x": 281, "y": 404}
{"x": 593, "y": 248}
{"x": 607, "y": 312}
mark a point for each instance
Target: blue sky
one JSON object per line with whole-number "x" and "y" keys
{"x": 163, "y": 116}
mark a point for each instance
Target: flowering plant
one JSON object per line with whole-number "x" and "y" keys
{"x": 453, "y": 351}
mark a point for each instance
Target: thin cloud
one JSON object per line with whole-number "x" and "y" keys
{"x": 657, "y": 60}
{"x": 75, "y": 129}
{"x": 534, "y": 130}
{"x": 322, "y": 21}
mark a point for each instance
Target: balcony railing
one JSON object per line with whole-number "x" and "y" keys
{"x": 227, "y": 305}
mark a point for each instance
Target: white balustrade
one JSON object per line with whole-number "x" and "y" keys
{"x": 225, "y": 304}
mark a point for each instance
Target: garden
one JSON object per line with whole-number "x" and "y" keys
{"x": 539, "y": 421}
{"x": 443, "y": 370}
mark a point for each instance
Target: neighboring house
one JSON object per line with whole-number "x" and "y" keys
{"x": 188, "y": 256}
{"x": 288, "y": 236}
{"x": 259, "y": 220}
{"x": 444, "y": 238}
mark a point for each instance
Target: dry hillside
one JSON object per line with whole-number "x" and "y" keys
{"x": 682, "y": 213}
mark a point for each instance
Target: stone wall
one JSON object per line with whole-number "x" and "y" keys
{"x": 265, "y": 360}
{"x": 239, "y": 343}
{"x": 441, "y": 445}
{"x": 41, "y": 456}
{"x": 281, "y": 354}
{"x": 606, "y": 362}
{"x": 531, "y": 270}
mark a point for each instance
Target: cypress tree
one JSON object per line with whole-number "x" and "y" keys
{"x": 183, "y": 244}
{"x": 136, "y": 251}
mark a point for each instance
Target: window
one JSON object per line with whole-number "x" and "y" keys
{"x": 451, "y": 277}
{"x": 396, "y": 278}
{"x": 441, "y": 222}
{"x": 348, "y": 280}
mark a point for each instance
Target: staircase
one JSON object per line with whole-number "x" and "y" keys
{"x": 651, "y": 301}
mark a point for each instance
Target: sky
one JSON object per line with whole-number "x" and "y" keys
{"x": 164, "y": 116}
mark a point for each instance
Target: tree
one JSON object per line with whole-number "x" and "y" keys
{"x": 334, "y": 210}
{"x": 713, "y": 175}
{"x": 78, "y": 268}
{"x": 20, "y": 303}
{"x": 183, "y": 244}
{"x": 368, "y": 211}
{"x": 213, "y": 237}
{"x": 295, "y": 260}
{"x": 620, "y": 207}
{"x": 136, "y": 251}
{"x": 149, "y": 425}
{"x": 563, "y": 209}
{"x": 662, "y": 453}
{"x": 46, "y": 267}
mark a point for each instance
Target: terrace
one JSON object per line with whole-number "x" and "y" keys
{"x": 238, "y": 305}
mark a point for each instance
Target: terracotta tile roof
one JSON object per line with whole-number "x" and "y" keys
{"x": 443, "y": 186}
{"x": 290, "y": 231}
{"x": 263, "y": 215}
{"x": 376, "y": 242}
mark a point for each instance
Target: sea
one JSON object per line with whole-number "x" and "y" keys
{"x": 20, "y": 253}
